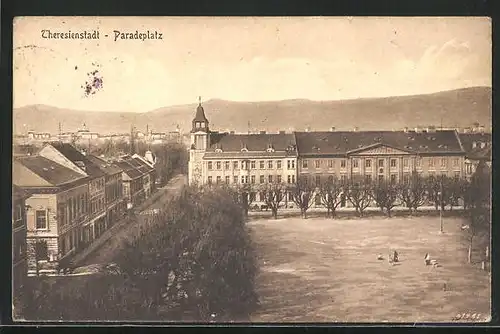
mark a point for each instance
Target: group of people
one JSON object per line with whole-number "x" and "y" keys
{"x": 394, "y": 258}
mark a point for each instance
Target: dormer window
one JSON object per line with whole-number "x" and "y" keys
{"x": 218, "y": 150}
{"x": 270, "y": 148}
{"x": 244, "y": 149}
{"x": 202, "y": 124}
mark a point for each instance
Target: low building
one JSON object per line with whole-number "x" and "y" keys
{"x": 115, "y": 205}
{"x": 149, "y": 174}
{"x": 19, "y": 236}
{"x": 133, "y": 191}
{"x": 56, "y": 210}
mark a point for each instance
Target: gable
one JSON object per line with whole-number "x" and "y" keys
{"x": 379, "y": 149}
{"x": 24, "y": 177}
{"x": 51, "y": 153}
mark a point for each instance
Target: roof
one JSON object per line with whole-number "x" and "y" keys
{"x": 50, "y": 171}
{"x": 128, "y": 169}
{"x": 106, "y": 167}
{"x": 200, "y": 114}
{"x": 69, "y": 151}
{"x": 478, "y": 152}
{"x": 75, "y": 156}
{"x": 18, "y": 193}
{"x": 228, "y": 142}
{"x": 144, "y": 165}
{"x": 343, "y": 142}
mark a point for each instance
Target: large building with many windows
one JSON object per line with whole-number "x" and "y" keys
{"x": 240, "y": 158}
{"x": 319, "y": 156}
{"x": 378, "y": 155}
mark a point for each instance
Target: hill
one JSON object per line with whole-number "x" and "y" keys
{"x": 460, "y": 107}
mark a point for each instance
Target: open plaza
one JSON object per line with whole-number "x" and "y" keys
{"x": 327, "y": 270}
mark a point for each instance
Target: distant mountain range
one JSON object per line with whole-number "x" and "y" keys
{"x": 459, "y": 108}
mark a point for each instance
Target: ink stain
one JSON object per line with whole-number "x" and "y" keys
{"x": 94, "y": 82}
{"x": 76, "y": 67}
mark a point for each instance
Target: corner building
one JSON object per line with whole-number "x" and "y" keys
{"x": 237, "y": 159}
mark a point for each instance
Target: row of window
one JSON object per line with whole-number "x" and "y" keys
{"x": 245, "y": 179}
{"x": 97, "y": 205}
{"x": 75, "y": 207}
{"x": 97, "y": 185}
{"x": 113, "y": 191}
{"x": 249, "y": 164}
{"x": 317, "y": 178}
{"x": 381, "y": 162}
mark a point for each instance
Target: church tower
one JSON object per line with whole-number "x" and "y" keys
{"x": 200, "y": 141}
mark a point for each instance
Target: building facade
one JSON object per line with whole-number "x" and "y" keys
{"x": 240, "y": 159}
{"x": 114, "y": 203}
{"x": 317, "y": 157}
{"x": 378, "y": 155}
{"x": 67, "y": 155}
{"x": 56, "y": 210}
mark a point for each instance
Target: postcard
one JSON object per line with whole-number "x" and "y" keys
{"x": 252, "y": 169}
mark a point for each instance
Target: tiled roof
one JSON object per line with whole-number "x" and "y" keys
{"x": 50, "y": 171}
{"x": 128, "y": 169}
{"x": 340, "y": 143}
{"x": 75, "y": 156}
{"x": 252, "y": 142}
{"x": 106, "y": 167}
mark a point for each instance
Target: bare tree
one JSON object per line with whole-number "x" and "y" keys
{"x": 273, "y": 195}
{"x": 302, "y": 195}
{"x": 330, "y": 196}
{"x": 433, "y": 190}
{"x": 385, "y": 195}
{"x": 412, "y": 193}
{"x": 360, "y": 195}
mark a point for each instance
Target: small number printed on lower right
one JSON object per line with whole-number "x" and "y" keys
{"x": 476, "y": 317}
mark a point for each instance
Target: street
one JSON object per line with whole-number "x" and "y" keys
{"x": 119, "y": 234}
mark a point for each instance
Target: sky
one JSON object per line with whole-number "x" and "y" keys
{"x": 246, "y": 59}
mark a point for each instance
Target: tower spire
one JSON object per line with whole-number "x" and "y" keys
{"x": 199, "y": 100}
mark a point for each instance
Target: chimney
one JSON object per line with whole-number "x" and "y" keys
{"x": 405, "y": 129}
{"x": 332, "y": 129}
{"x": 263, "y": 132}
{"x": 355, "y": 129}
{"x": 282, "y": 132}
{"x": 417, "y": 129}
{"x": 481, "y": 129}
{"x": 231, "y": 132}
{"x": 308, "y": 129}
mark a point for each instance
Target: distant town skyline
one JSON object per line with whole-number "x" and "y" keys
{"x": 247, "y": 59}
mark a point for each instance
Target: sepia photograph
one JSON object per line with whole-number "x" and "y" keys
{"x": 251, "y": 169}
